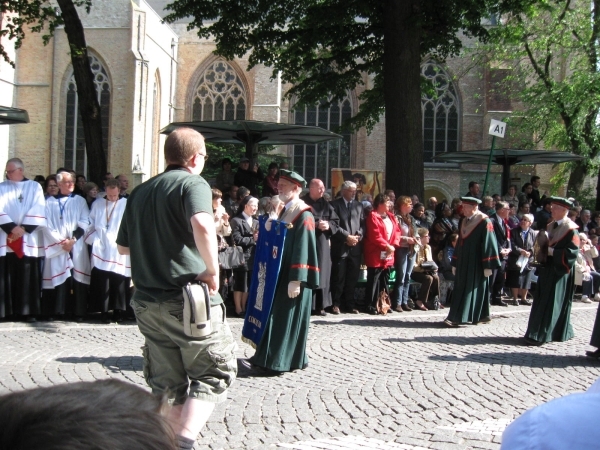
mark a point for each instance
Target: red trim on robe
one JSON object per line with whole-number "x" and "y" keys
{"x": 305, "y": 266}
{"x": 490, "y": 258}
{"x": 109, "y": 261}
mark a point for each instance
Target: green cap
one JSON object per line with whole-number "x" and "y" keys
{"x": 561, "y": 201}
{"x": 471, "y": 200}
{"x": 292, "y": 177}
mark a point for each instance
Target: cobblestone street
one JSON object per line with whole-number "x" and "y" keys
{"x": 396, "y": 382}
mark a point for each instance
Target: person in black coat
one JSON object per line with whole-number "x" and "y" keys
{"x": 244, "y": 233}
{"x": 327, "y": 223}
{"x": 522, "y": 241}
{"x": 346, "y": 249}
{"x": 250, "y": 178}
{"x": 502, "y": 232}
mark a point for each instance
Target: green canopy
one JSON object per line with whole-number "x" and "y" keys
{"x": 507, "y": 157}
{"x": 252, "y": 133}
{"x": 11, "y": 116}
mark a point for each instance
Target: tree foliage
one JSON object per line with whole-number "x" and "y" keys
{"x": 42, "y": 17}
{"x": 39, "y": 15}
{"x": 551, "y": 50}
{"x": 326, "y": 47}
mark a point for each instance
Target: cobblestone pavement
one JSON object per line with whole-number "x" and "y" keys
{"x": 396, "y": 382}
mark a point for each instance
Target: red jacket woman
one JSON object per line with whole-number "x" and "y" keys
{"x": 381, "y": 236}
{"x": 376, "y": 240}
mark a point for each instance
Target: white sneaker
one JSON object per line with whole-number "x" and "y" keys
{"x": 585, "y": 299}
{"x": 597, "y": 297}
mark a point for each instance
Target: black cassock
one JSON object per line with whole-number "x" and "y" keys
{"x": 322, "y": 210}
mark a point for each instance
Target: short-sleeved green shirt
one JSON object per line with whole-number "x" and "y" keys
{"x": 156, "y": 227}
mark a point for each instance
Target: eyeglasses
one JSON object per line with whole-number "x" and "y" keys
{"x": 53, "y": 186}
{"x": 205, "y": 156}
{"x": 9, "y": 172}
{"x": 67, "y": 182}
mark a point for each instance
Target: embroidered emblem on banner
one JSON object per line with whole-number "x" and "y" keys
{"x": 262, "y": 274}
{"x": 275, "y": 249}
{"x": 309, "y": 223}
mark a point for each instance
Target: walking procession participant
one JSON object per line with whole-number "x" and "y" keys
{"x": 550, "y": 318}
{"x": 282, "y": 347}
{"x": 67, "y": 265}
{"x": 111, "y": 272}
{"x": 475, "y": 257}
{"x": 168, "y": 230}
{"x": 22, "y": 216}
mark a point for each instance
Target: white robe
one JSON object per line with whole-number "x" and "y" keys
{"x": 30, "y": 211}
{"x": 103, "y": 239}
{"x": 59, "y": 263}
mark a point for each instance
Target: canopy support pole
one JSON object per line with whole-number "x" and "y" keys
{"x": 489, "y": 166}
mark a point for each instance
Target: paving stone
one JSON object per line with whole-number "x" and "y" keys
{"x": 399, "y": 382}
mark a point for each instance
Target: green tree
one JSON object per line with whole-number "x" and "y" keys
{"x": 42, "y": 17}
{"x": 551, "y": 52}
{"x": 325, "y": 47}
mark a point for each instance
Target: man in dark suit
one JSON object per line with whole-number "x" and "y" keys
{"x": 502, "y": 232}
{"x": 346, "y": 249}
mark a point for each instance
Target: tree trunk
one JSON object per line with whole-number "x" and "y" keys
{"x": 597, "y": 208}
{"x": 89, "y": 107}
{"x": 402, "y": 94}
{"x": 576, "y": 177}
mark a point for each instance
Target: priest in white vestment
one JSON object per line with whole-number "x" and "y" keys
{"x": 22, "y": 218}
{"x": 66, "y": 276}
{"x": 111, "y": 271}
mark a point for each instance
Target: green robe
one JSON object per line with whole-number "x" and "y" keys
{"x": 595, "y": 340}
{"x": 476, "y": 250}
{"x": 550, "y": 318}
{"x": 283, "y": 344}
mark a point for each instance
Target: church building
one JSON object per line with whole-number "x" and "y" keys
{"x": 149, "y": 73}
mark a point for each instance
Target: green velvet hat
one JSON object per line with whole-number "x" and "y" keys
{"x": 292, "y": 177}
{"x": 471, "y": 200}
{"x": 561, "y": 201}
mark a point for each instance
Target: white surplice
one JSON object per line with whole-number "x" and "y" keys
{"x": 102, "y": 236}
{"x": 22, "y": 202}
{"x": 64, "y": 216}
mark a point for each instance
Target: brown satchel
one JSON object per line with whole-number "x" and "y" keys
{"x": 383, "y": 303}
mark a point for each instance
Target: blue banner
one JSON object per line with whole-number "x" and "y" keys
{"x": 267, "y": 262}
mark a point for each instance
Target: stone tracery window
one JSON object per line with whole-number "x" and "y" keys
{"x": 75, "y": 155}
{"x": 317, "y": 160}
{"x": 440, "y": 113}
{"x": 219, "y": 95}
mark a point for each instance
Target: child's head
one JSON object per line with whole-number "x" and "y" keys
{"x": 593, "y": 239}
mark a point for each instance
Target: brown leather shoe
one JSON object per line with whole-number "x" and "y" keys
{"x": 398, "y": 308}
{"x": 335, "y": 310}
{"x": 421, "y": 306}
{"x": 406, "y": 308}
{"x": 354, "y": 311}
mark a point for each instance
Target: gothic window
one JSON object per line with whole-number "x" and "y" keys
{"x": 317, "y": 160}
{"x": 75, "y": 156}
{"x": 219, "y": 95}
{"x": 440, "y": 113}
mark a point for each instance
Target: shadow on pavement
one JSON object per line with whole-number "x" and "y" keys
{"x": 122, "y": 363}
{"x": 522, "y": 359}
{"x": 383, "y": 323}
{"x": 464, "y": 340}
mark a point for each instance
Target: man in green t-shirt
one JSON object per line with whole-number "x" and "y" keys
{"x": 168, "y": 230}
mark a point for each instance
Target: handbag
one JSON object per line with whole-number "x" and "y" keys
{"x": 196, "y": 310}
{"x": 429, "y": 266}
{"x": 231, "y": 258}
{"x": 383, "y": 303}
